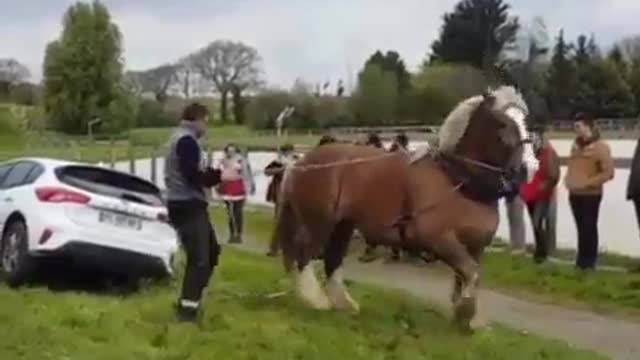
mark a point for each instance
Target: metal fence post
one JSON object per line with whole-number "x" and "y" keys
{"x": 112, "y": 152}
{"x": 132, "y": 159}
{"x": 154, "y": 169}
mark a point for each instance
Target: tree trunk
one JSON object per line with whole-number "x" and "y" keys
{"x": 238, "y": 106}
{"x": 224, "y": 96}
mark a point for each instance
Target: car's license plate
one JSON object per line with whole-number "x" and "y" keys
{"x": 120, "y": 220}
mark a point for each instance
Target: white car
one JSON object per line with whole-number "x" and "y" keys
{"x": 83, "y": 213}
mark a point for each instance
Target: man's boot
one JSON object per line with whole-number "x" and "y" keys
{"x": 187, "y": 311}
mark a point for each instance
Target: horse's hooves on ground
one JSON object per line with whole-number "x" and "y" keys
{"x": 464, "y": 312}
{"x": 319, "y": 304}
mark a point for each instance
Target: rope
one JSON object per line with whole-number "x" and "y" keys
{"x": 308, "y": 167}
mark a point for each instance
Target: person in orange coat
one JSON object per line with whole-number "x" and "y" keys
{"x": 538, "y": 193}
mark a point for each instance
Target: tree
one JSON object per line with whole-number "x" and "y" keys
{"x": 524, "y": 65}
{"x": 634, "y": 80}
{"x": 375, "y": 100}
{"x": 561, "y": 79}
{"x": 475, "y": 33}
{"x": 582, "y": 55}
{"x": 83, "y": 70}
{"x": 393, "y": 63}
{"x": 603, "y": 92}
{"x": 157, "y": 80}
{"x": 593, "y": 49}
{"x": 228, "y": 65}
{"x": 12, "y": 73}
{"x": 616, "y": 57}
{"x": 630, "y": 47}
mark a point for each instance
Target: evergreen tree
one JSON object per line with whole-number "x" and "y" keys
{"x": 393, "y": 63}
{"x": 475, "y": 33}
{"x": 561, "y": 79}
{"x": 616, "y": 57}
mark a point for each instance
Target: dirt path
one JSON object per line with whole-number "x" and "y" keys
{"x": 615, "y": 338}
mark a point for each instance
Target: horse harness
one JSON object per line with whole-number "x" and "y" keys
{"x": 466, "y": 183}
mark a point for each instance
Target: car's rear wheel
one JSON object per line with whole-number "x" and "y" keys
{"x": 17, "y": 265}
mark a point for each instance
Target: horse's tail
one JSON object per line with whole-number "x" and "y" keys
{"x": 287, "y": 224}
{"x": 285, "y": 231}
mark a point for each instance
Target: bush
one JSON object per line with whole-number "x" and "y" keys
{"x": 311, "y": 112}
{"x": 264, "y": 108}
{"x": 25, "y": 94}
{"x": 426, "y": 106}
{"x": 11, "y": 132}
{"x": 122, "y": 113}
{"x": 153, "y": 114}
{"x": 376, "y": 99}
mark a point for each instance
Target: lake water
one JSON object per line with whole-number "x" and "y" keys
{"x": 618, "y": 228}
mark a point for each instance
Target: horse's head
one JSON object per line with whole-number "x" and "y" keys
{"x": 489, "y": 133}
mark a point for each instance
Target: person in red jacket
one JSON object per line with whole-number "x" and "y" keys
{"x": 538, "y": 193}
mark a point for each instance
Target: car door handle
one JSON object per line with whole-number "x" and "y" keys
{"x": 8, "y": 199}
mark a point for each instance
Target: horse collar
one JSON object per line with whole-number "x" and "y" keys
{"x": 470, "y": 185}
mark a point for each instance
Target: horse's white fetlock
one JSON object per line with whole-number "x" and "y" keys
{"x": 338, "y": 294}
{"x": 309, "y": 289}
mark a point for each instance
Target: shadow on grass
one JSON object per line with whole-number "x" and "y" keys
{"x": 58, "y": 277}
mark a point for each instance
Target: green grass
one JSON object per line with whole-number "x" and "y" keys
{"x": 243, "y": 322}
{"x": 569, "y": 255}
{"x": 219, "y": 136}
{"x": 602, "y": 291}
{"x": 143, "y": 141}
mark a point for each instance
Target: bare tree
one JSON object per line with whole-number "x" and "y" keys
{"x": 630, "y": 47}
{"x": 13, "y": 72}
{"x": 157, "y": 80}
{"x": 232, "y": 67}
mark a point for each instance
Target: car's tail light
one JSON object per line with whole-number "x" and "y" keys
{"x": 60, "y": 195}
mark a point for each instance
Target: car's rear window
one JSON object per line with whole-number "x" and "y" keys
{"x": 110, "y": 183}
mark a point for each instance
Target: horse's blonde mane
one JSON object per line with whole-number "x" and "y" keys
{"x": 456, "y": 123}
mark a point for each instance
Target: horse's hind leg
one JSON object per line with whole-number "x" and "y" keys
{"x": 307, "y": 284}
{"x": 334, "y": 256}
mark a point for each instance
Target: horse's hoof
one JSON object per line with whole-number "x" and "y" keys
{"x": 320, "y": 303}
{"x": 341, "y": 300}
{"x": 464, "y": 311}
{"x": 348, "y": 305}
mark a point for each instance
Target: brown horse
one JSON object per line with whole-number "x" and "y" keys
{"x": 444, "y": 202}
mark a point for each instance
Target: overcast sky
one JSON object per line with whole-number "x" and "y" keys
{"x": 313, "y": 39}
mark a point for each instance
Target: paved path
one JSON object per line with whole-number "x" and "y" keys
{"x": 615, "y": 338}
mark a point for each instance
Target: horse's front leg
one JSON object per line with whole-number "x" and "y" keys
{"x": 466, "y": 278}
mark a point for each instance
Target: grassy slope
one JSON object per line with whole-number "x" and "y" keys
{"x": 241, "y": 322}
{"x": 602, "y": 291}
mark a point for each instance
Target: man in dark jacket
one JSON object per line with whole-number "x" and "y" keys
{"x": 187, "y": 204}
{"x": 633, "y": 185}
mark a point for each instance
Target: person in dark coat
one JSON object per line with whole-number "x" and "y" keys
{"x": 633, "y": 184}
{"x": 275, "y": 169}
{"x": 187, "y": 180}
